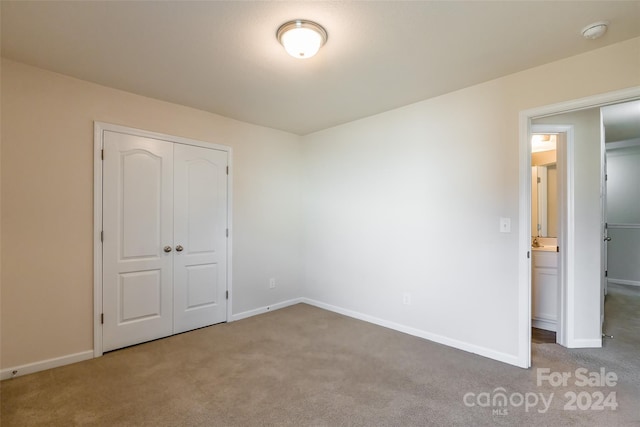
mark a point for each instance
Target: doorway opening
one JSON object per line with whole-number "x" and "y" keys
{"x": 580, "y": 308}
{"x": 548, "y": 220}
{"x": 621, "y": 216}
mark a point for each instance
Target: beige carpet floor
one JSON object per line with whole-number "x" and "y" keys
{"x": 303, "y": 366}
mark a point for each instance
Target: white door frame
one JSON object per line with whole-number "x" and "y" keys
{"x": 603, "y": 221}
{"x": 524, "y": 215}
{"x": 98, "y": 132}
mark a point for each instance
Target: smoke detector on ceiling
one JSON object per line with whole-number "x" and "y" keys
{"x": 595, "y": 30}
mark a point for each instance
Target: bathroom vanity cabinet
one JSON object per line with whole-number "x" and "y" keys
{"x": 544, "y": 284}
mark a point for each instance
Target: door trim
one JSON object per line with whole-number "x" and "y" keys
{"x": 524, "y": 211}
{"x": 98, "y": 131}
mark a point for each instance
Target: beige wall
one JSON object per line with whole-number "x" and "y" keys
{"x": 543, "y": 158}
{"x": 47, "y": 205}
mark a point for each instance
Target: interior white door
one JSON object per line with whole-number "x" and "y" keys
{"x": 200, "y": 227}
{"x": 165, "y": 238}
{"x": 137, "y": 227}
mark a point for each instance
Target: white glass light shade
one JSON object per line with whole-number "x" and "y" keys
{"x": 301, "y": 42}
{"x": 301, "y": 39}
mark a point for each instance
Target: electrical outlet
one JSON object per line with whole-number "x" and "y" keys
{"x": 406, "y": 298}
{"x": 272, "y": 283}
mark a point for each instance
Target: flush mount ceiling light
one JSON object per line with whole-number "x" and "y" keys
{"x": 301, "y": 38}
{"x": 595, "y": 30}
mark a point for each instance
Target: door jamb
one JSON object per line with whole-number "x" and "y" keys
{"x": 98, "y": 132}
{"x": 524, "y": 214}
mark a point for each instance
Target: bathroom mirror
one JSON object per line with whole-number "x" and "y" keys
{"x": 544, "y": 187}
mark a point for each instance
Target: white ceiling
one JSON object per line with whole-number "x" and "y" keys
{"x": 223, "y": 57}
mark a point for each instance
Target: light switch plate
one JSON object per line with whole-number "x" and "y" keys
{"x": 505, "y": 225}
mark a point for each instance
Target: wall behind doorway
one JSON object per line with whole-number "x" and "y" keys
{"x": 623, "y": 213}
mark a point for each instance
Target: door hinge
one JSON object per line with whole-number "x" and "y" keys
{"x": 606, "y": 273}
{"x": 528, "y": 254}
{"x": 227, "y": 232}
{"x": 102, "y": 236}
{"x": 227, "y": 170}
{"x": 606, "y": 177}
{"x": 227, "y": 294}
{"x": 102, "y": 154}
{"x": 538, "y": 180}
{"x": 606, "y": 225}
{"x": 102, "y": 318}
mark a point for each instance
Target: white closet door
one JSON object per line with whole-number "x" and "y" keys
{"x": 137, "y": 225}
{"x": 200, "y": 242}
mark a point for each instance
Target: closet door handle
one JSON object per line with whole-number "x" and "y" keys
{"x": 607, "y": 239}
{"x": 179, "y": 248}
{"x": 167, "y": 248}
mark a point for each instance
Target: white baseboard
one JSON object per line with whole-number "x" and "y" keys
{"x": 547, "y": 325}
{"x": 31, "y": 368}
{"x": 461, "y": 345}
{"x": 585, "y": 343}
{"x": 265, "y": 309}
{"x": 624, "y": 282}
{"x": 56, "y": 362}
